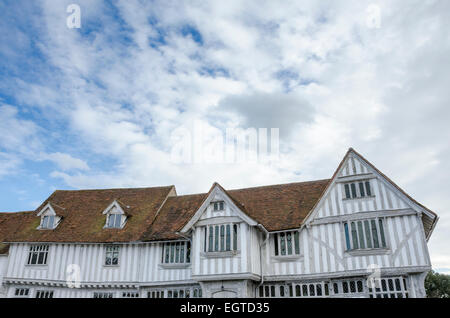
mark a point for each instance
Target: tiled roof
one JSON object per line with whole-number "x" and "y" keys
{"x": 174, "y": 214}
{"x": 9, "y": 223}
{"x": 158, "y": 214}
{"x": 276, "y": 207}
{"x": 282, "y": 206}
{"x": 83, "y": 220}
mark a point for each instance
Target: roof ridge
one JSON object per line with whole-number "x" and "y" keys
{"x": 280, "y": 184}
{"x": 108, "y": 189}
{"x": 188, "y": 195}
{"x": 16, "y": 212}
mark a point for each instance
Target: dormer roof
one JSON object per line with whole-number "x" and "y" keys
{"x": 117, "y": 206}
{"x": 55, "y": 209}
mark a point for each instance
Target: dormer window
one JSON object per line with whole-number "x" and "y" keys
{"x": 115, "y": 216}
{"x": 219, "y": 206}
{"x": 49, "y": 219}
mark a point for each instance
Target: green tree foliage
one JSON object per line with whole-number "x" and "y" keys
{"x": 437, "y": 285}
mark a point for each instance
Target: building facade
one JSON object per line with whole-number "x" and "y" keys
{"x": 354, "y": 235}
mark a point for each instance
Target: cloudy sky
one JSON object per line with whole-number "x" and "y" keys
{"x": 97, "y": 107}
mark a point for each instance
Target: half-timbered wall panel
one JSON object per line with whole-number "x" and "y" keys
{"x": 153, "y": 271}
{"x": 382, "y": 196}
{"x": 89, "y": 257}
{"x": 246, "y": 258}
{"x": 227, "y": 264}
{"x": 137, "y": 262}
{"x": 323, "y": 249}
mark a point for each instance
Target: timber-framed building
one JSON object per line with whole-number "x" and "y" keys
{"x": 356, "y": 234}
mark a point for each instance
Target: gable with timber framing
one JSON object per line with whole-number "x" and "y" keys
{"x": 207, "y": 213}
{"x": 379, "y": 194}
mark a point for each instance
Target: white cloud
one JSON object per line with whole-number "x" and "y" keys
{"x": 66, "y": 161}
{"x": 9, "y": 163}
{"x": 16, "y": 135}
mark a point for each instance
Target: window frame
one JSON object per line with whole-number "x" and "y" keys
{"x": 291, "y": 242}
{"x": 385, "y": 287}
{"x": 156, "y": 293}
{"x": 357, "y": 231}
{"x": 45, "y": 219}
{"x": 38, "y": 249}
{"x": 221, "y": 238}
{"x": 44, "y": 293}
{"x": 102, "y": 294}
{"x": 382, "y": 288}
{"x": 26, "y": 292}
{"x": 357, "y": 189}
{"x": 114, "y": 216}
{"x": 106, "y": 252}
{"x": 192, "y": 291}
{"x": 218, "y": 206}
{"x": 184, "y": 292}
{"x": 170, "y": 250}
{"x": 130, "y": 294}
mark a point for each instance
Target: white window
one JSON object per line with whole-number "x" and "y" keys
{"x": 155, "y": 294}
{"x": 197, "y": 292}
{"x": 44, "y": 294}
{"x": 357, "y": 190}
{"x": 179, "y": 292}
{"x": 394, "y": 287}
{"x": 176, "y": 252}
{"x": 48, "y": 222}
{"x": 21, "y": 292}
{"x": 130, "y": 295}
{"x": 218, "y": 205}
{"x": 187, "y": 292}
{"x": 352, "y": 286}
{"x": 364, "y": 234}
{"x": 103, "y": 295}
{"x": 112, "y": 255}
{"x": 391, "y": 287}
{"x": 221, "y": 238}
{"x": 286, "y": 243}
{"x": 114, "y": 221}
{"x": 304, "y": 290}
{"x": 38, "y": 255}
{"x": 310, "y": 290}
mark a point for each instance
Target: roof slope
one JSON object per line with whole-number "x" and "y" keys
{"x": 174, "y": 214}
{"x": 9, "y": 223}
{"x": 282, "y": 206}
{"x": 157, "y": 213}
{"x": 83, "y": 220}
